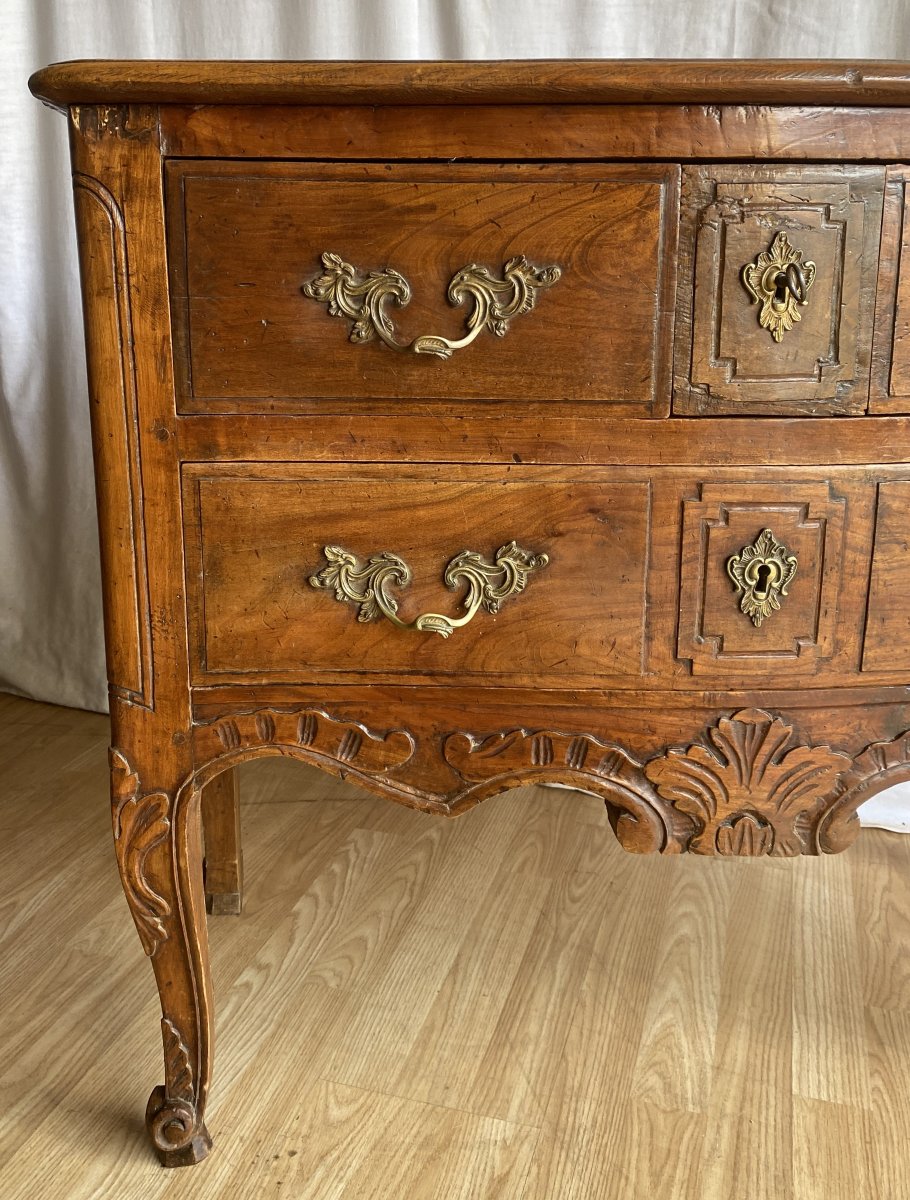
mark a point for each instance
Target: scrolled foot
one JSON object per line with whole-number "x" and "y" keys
{"x": 179, "y": 1138}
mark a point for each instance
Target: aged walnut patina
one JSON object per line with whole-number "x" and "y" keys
{"x": 692, "y": 449}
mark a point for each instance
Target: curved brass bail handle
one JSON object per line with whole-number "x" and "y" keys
{"x": 361, "y": 298}
{"x": 367, "y": 584}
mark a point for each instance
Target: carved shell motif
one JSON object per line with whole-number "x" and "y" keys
{"x": 755, "y": 792}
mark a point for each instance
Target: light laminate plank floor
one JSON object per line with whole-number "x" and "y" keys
{"x": 504, "y": 1006}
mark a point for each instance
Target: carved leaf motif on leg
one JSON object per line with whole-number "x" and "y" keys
{"x": 172, "y": 1119}
{"x": 178, "y": 1071}
{"x": 140, "y": 824}
{"x": 755, "y": 792}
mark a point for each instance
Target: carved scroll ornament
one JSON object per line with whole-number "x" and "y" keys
{"x": 749, "y": 787}
{"x": 141, "y": 823}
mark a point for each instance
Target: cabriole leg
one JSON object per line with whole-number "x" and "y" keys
{"x": 158, "y": 839}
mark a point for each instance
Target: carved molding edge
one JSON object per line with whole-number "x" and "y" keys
{"x": 880, "y": 765}
{"x": 749, "y": 787}
{"x": 643, "y": 823}
{"x": 132, "y": 574}
{"x": 141, "y": 822}
{"x": 342, "y": 745}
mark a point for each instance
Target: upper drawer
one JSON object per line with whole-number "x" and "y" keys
{"x": 777, "y": 289}
{"x": 246, "y": 239}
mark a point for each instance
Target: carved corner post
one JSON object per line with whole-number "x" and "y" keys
{"x": 156, "y": 809}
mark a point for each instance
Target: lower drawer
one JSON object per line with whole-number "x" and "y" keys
{"x": 558, "y": 561}
{"x": 548, "y": 577}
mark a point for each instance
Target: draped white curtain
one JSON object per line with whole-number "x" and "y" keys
{"x": 50, "y": 620}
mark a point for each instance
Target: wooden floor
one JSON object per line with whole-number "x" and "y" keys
{"x": 504, "y": 1006}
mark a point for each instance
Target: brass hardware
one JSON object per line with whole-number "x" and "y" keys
{"x": 779, "y": 280}
{"x": 762, "y": 572}
{"x": 366, "y": 585}
{"x": 361, "y": 298}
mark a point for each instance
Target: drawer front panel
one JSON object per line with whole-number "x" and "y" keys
{"x": 886, "y": 646}
{"x": 595, "y": 578}
{"x": 777, "y": 290}
{"x": 891, "y": 351}
{"x": 256, "y": 537}
{"x": 246, "y": 239}
{"x": 724, "y": 625}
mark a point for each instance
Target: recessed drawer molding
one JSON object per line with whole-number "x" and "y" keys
{"x": 245, "y": 238}
{"x": 720, "y": 546}
{"x": 776, "y": 235}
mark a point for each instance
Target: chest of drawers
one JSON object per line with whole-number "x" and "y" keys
{"x": 459, "y": 426}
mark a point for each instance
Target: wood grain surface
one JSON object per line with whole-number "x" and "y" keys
{"x": 245, "y": 240}
{"x": 726, "y": 361}
{"x": 511, "y": 133}
{"x": 505, "y": 1006}
{"x": 256, "y": 539}
{"x": 891, "y": 348}
{"x": 742, "y": 81}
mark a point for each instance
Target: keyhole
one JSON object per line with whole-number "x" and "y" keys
{"x": 781, "y": 288}
{"x": 763, "y": 581}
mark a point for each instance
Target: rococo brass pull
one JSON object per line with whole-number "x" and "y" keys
{"x": 361, "y": 298}
{"x": 366, "y": 585}
{"x": 779, "y": 280}
{"x": 762, "y": 572}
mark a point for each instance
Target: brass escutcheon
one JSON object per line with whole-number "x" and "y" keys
{"x": 779, "y": 280}
{"x": 762, "y": 572}
{"x": 361, "y": 298}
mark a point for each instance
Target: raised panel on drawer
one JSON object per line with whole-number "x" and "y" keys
{"x": 720, "y": 520}
{"x": 244, "y": 238}
{"x": 886, "y": 645}
{"x": 891, "y": 352}
{"x": 256, "y": 535}
{"x": 727, "y": 361}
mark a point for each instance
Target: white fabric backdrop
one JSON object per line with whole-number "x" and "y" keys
{"x": 50, "y": 620}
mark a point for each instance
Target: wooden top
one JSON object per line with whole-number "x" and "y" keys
{"x": 607, "y": 81}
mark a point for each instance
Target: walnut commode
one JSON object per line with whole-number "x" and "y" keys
{"x": 461, "y": 426}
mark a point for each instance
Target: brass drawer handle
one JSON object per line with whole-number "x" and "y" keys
{"x": 762, "y": 572}
{"x": 779, "y": 280}
{"x": 366, "y": 585}
{"x": 361, "y": 299}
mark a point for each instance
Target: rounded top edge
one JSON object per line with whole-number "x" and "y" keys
{"x": 521, "y": 81}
